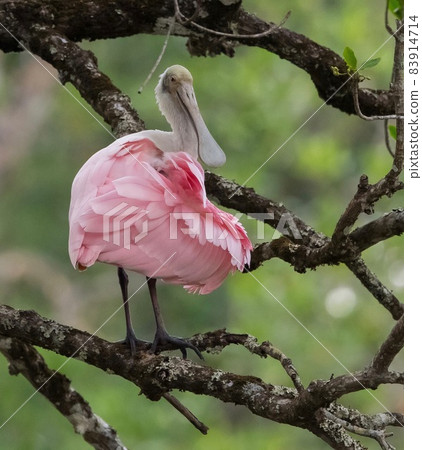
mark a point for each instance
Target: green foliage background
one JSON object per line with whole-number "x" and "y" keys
{"x": 253, "y": 104}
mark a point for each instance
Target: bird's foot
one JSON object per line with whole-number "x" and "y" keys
{"x": 162, "y": 338}
{"x": 132, "y": 341}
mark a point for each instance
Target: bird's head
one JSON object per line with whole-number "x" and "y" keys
{"x": 177, "y": 102}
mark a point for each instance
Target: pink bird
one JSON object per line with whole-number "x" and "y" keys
{"x": 140, "y": 204}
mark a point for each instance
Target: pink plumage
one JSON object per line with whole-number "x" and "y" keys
{"x": 145, "y": 210}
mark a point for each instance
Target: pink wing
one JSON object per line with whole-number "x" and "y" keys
{"x": 139, "y": 208}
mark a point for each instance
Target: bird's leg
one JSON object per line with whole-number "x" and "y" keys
{"x": 130, "y": 339}
{"x": 161, "y": 335}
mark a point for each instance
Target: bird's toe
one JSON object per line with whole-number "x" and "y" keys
{"x": 163, "y": 339}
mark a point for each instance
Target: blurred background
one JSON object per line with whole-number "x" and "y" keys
{"x": 252, "y": 104}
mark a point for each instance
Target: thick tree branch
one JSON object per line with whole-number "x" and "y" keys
{"x": 244, "y": 199}
{"x": 80, "y": 68}
{"x": 97, "y": 19}
{"x": 24, "y": 359}
{"x": 156, "y": 375}
{"x": 317, "y": 61}
{"x": 301, "y": 245}
{"x": 301, "y": 257}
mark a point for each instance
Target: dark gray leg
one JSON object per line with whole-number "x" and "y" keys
{"x": 130, "y": 333}
{"x": 161, "y": 335}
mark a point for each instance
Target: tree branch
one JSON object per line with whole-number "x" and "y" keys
{"x": 219, "y": 339}
{"x": 157, "y": 375}
{"x": 355, "y": 93}
{"x": 301, "y": 245}
{"x": 389, "y": 225}
{"x": 244, "y": 199}
{"x": 376, "y": 421}
{"x": 98, "y": 19}
{"x": 301, "y": 257}
{"x": 379, "y": 435}
{"x": 185, "y": 412}
{"x": 24, "y": 359}
{"x": 80, "y": 67}
{"x": 389, "y": 349}
{"x": 384, "y": 295}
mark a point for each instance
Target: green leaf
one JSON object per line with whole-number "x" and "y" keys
{"x": 393, "y": 131}
{"x": 370, "y": 63}
{"x": 397, "y": 8}
{"x": 350, "y": 58}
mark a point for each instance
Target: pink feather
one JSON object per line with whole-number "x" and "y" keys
{"x": 139, "y": 208}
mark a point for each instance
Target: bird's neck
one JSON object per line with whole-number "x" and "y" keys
{"x": 186, "y": 138}
{"x": 173, "y": 141}
{"x": 184, "y": 134}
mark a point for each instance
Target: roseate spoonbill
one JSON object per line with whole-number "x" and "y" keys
{"x": 140, "y": 204}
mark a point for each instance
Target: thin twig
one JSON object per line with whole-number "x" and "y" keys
{"x": 379, "y": 435}
{"x": 25, "y": 359}
{"x": 185, "y": 412}
{"x": 359, "y": 113}
{"x": 160, "y": 56}
{"x": 355, "y": 207}
{"x": 387, "y": 138}
{"x": 384, "y": 296}
{"x": 190, "y": 19}
{"x": 220, "y": 339}
{"x": 389, "y": 349}
{"x": 387, "y": 26}
{"x": 378, "y": 421}
{"x": 183, "y": 20}
{"x": 286, "y": 362}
